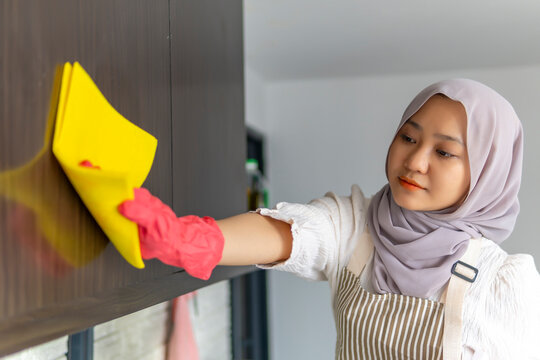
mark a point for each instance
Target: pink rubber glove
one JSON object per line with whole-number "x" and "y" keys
{"x": 190, "y": 242}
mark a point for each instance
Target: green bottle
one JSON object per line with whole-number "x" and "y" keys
{"x": 257, "y": 195}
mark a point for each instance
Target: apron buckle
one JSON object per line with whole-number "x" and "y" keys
{"x": 464, "y": 271}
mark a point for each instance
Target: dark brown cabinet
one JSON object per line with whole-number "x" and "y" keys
{"x": 174, "y": 68}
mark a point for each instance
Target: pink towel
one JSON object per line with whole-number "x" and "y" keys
{"x": 182, "y": 345}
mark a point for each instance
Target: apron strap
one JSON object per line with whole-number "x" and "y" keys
{"x": 362, "y": 253}
{"x": 463, "y": 275}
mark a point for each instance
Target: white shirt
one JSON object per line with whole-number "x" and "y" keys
{"x": 501, "y": 318}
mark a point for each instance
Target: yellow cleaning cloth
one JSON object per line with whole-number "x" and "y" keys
{"x": 89, "y": 129}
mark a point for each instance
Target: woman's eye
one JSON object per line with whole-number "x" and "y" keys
{"x": 444, "y": 154}
{"x": 407, "y": 138}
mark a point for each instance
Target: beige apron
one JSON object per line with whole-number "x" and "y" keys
{"x": 391, "y": 326}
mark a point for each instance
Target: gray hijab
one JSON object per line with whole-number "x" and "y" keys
{"x": 414, "y": 250}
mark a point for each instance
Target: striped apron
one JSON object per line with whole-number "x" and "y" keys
{"x": 392, "y": 326}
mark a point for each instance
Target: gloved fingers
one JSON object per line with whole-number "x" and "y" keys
{"x": 150, "y": 248}
{"x": 146, "y": 251}
{"x": 135, "y": 211}
{"x": 153, "y": 203}
{"x": 144, "y": 208}
{"x": 143, "y": 196}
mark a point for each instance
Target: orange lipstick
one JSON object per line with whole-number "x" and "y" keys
{"x": 409, "y": 184}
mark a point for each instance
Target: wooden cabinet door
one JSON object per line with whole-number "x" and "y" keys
{"x": 59, "y": 274}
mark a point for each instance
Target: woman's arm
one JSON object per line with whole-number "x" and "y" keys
{"x": 199, "y": 244}
{"x": 255, "y": 239}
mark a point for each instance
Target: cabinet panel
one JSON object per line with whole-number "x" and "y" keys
{"x": 208, "y": 107}
{"x": 53, "y": 256}
{"x": 58, "y": 272}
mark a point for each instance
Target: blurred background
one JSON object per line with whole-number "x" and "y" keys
{"x": 327, "y": 82}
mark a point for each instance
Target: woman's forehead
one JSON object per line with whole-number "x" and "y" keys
{"x": 440, "y": 114}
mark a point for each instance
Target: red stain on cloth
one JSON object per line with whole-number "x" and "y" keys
{"x": 87, "y": 163}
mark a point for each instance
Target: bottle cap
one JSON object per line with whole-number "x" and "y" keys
{"x": 252, "y": 164}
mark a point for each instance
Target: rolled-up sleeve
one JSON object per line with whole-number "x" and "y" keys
{"x": 314, "y": 240}
{"x": 324, "y": 233}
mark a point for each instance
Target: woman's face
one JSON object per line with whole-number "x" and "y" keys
{"x": 428, "y": 165}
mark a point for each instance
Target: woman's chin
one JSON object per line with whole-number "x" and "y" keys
{"x": 408, "y": 205}
{"x": 409, "y": 201}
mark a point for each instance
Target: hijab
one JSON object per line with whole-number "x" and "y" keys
{"x": 415, "y": 250}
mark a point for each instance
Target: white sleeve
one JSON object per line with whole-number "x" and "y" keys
{"x": 324, "y": 233}
{"x": 508, "y": 318}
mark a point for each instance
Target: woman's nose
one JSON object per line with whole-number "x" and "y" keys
{"x": 417, "y": 160}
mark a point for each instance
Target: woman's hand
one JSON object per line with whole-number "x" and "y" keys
{"x": 190, "y": 242}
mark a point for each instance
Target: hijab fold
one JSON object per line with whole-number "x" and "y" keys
{"x": 415, "y": 250}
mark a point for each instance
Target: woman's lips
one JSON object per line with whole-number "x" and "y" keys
{"x": 409, "y": 184}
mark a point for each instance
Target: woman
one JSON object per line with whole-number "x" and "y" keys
{"x": 415, "y": 272}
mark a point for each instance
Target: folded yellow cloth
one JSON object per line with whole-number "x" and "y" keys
{"x": 89, "y": 129}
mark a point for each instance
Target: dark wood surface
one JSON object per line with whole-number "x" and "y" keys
{"x": 208, "y": 107}
{"x": 173, "y": 68}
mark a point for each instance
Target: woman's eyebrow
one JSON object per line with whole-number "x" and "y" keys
{"x": 414, "y": 125}
{"x": 448, "y": 137}
{"x": 441, "y": 136}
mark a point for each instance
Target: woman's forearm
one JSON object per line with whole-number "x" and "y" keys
{"x": 251, "y": 239}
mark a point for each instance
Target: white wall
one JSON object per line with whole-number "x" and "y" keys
{"x": 255, "y": 101}
{"x": 143, "y": 335}
{"x": 52, "y": 350}
{"x": 210, "y": 313}
{"x": 326, "y": 134}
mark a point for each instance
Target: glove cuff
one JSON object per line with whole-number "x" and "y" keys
{"x": 190, "y": 242}
{"x": 202, "y": 245}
